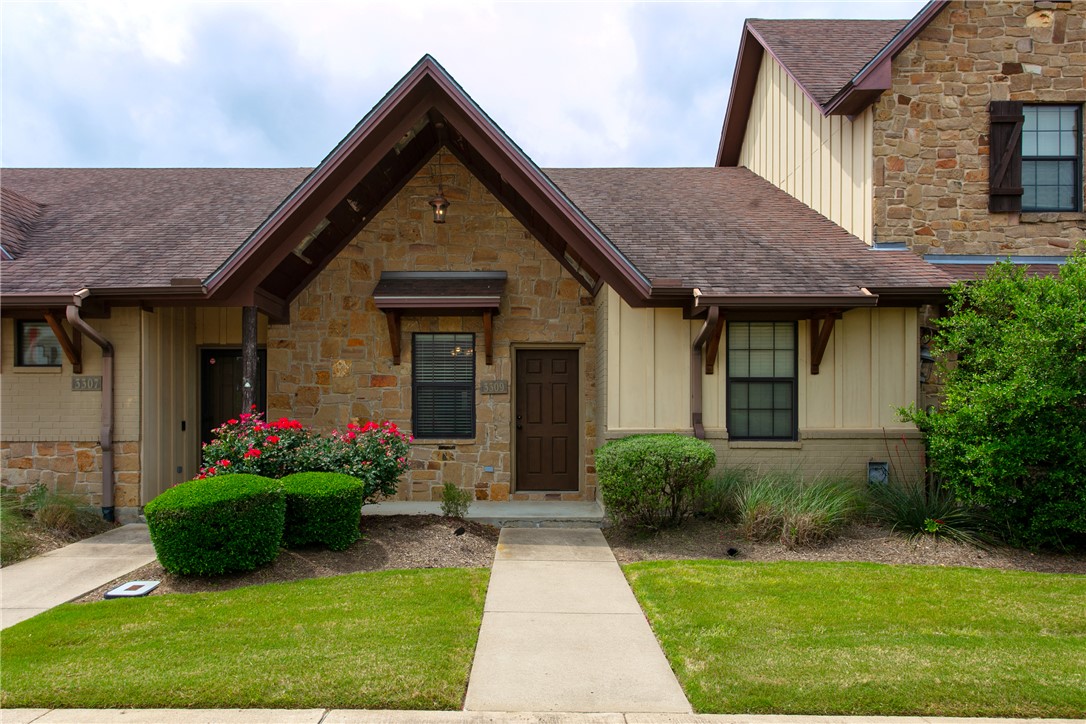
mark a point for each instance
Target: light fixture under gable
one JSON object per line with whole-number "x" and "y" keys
{"x": 441, "y": 205}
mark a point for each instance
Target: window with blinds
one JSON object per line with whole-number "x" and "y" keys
{"x": 762, "y": 380}
{"x": 36, "y": 345}
{"x": 443, "y": 385}
{"x": 1051, "y": 158}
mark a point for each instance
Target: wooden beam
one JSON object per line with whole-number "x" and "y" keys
{"x": 392, "y": 316}
{"x": 488, "y": 335}
{"x": 712, "y": 345}
{"x": 820, "y": 337}
{"x": 249, "y": 359}
{"x": 72, "y": 346}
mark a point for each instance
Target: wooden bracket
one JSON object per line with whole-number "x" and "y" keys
{"x": 712, "y": 346}
{"x": 488, "y": 334}
{"x": 392, "y": 316}
{"x": 820, "y": 338}
{"x": 72, "y": 346}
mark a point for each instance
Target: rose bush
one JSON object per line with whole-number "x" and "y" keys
{"x": 375, "y": 453}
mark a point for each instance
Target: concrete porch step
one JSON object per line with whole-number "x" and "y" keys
{"x": 506, "y": 514}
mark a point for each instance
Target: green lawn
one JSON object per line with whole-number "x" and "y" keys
{"x": 855, "y": 638}
{"x": 394, "y": 639}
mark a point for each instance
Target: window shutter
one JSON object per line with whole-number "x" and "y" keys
{"x": 1005, "y": 156}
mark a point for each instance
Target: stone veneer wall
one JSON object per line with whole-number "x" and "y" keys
{"x": 333, "y": 362}
{"x": 72, "y": 467}
{"x": 931, "y": 127}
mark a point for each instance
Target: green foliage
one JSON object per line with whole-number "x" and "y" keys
{"x": 1011, "y": 432}
{"x": 374, "y": 453}
{"x": 15, "y": 538}
{"x": 653, "y": 481}
{"x": 918, "y": 511}
{"x": 455, "y": 501}
{"x": 38, "y": 513}
{"x": 216, "y": 525}
{"x": 782, "y": 506}
{"x": 322, "y": 508}
{"x": 721, "y": 492}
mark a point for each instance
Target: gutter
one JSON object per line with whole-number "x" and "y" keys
{"x": 105, "y": 435}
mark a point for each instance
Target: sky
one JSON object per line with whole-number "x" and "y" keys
{"x": 155, "y": 83}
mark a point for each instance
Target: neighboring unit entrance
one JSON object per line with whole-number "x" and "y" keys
{"x": 548, "y": 430}
{"x": 220, "y": 387}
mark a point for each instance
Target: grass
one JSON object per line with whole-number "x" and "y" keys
{"x": 39, "y": 520}
{"x": 782, "y": 505}
{"x": 916, "y": 511}
{"x": 386, "y": 640}
{"x": 867, "y": 639}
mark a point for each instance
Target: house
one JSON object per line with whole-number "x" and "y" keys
{"x": 514, "y": 318}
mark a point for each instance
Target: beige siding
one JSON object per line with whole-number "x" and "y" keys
{"x": 825, "y": 162}
{"x": 170, "y": 399}
{"x": 39, "y": 404}
{"x": 221, "y": 327}
{"x": 869, "y": 369}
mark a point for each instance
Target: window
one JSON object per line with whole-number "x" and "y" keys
{"x": 762, "y": 380}
{"x": 36, "y": 345}
{"x": 1051, "y": 158}
{"x": 443, "y": 385}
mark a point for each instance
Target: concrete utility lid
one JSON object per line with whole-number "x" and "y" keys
{"x": 132, "y": 589}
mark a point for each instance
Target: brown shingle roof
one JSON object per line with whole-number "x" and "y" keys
{"x": 17, "y": 217}
{"x": 824, "y": 55}
{"x": 729, "y": 232}
{"x": 105, "y": 228}
{"x": 724, "y": 230}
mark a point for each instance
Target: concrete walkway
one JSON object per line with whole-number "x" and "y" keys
{"x": 562, "y": 632}
{"x": 29, "y": 587}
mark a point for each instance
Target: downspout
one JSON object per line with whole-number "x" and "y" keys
{"x": 696, "y": 370}
{"x": 105, "y": 434}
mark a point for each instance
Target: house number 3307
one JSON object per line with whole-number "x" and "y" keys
{"x": 85, "y": 383}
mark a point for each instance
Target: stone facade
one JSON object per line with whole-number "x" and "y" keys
{"x": 333, "y": 362}
{"x": 72, "y": 467}
{"x": 931, "y": 128}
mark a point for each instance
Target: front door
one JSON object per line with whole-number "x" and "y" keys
{"x": 547, "y": 421}
{"x": 220, "y": 387}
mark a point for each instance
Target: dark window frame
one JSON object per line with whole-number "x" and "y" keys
{"x": 20, "y": 358}
{"x": 1077, "y": 159}
{"x": 423, "y": 430}
{"x": 793, "y": 380}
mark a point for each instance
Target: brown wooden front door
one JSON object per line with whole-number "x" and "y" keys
{"x": 547, "y": 419}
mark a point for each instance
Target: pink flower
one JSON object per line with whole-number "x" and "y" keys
{"x": 224, "y": 463}
{"x": 272, "y": 439}
{"x": 231, "y": 421}
{"x": 252, "y": 453}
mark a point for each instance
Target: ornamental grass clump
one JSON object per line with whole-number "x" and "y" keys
{"x": 919, "y": 510}
{"x": 782, "y": 506}
{"x": 217, "y": 525}
{"x": 322, "y": 508}
{"x": 653, "y": 481}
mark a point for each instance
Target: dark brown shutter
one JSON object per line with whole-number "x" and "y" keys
{"x": 1005, "y": 156}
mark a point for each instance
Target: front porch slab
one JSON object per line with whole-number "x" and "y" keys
{"x": 506, "y": 514}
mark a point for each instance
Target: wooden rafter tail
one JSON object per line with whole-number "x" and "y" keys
{"x": 393, "y": 318}
{"x": 72, "y": 346}
{"x": 712, "y": 347}
{"x": 820, "y": 338}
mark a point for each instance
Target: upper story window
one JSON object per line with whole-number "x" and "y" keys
{"x": 36, "y": 345}
{"x": 762, "y": 380}
{"x": 443, "y": 385}
{"x": 1051, "y": 158}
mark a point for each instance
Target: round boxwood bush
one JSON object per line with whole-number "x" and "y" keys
{"x": 323, "y": 508}
{"x": 217, "y": 525}
{"x": 653, "y": 481}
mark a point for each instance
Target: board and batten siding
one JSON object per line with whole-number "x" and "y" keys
{"x": 824, "y": 161}
{"x": 868, "y": 371}
{"x": 170, "y": 399}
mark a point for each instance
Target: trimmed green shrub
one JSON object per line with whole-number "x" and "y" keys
{"x": 323, "y": 508}
{"x": 653, "y": 481}
{"x": 217, "y": 525}
{"x": 1010, "y": 433}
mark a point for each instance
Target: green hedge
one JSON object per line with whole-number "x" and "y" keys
{"x": 217, "y": 525}
{"x": 653, "y": 481}
{"x": 323, "y": 508}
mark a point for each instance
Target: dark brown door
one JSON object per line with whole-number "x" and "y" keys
{"x": 548, "y": 428}
{"x": 220, "y": 387}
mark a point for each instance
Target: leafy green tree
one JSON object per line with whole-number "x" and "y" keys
{"x": 1011, "y": 431}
